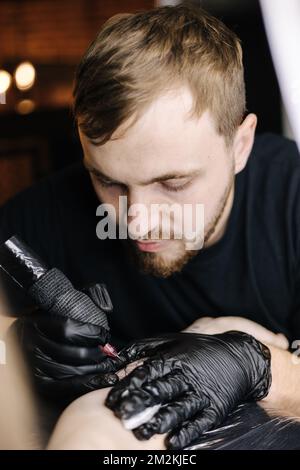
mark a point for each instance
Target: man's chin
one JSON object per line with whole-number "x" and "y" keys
{"x": 163, "y": 263}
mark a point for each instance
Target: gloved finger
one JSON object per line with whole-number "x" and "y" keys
{"x": 68, "y": 331}
{"x": 171, "y": 415}
{"x": 261, "y": 333}
{"x": 189, "y": 432}
{"x": 151, "y": 369}
{"x": 73, "y": 387}
{"x": 64, "y": 353}
{"x": 145, "y": 348}
{"x": 59, "y": 370}
{"x": 29, "y": 333}
{"x": 73, "y": 355}
{"x": 162, "y": 390}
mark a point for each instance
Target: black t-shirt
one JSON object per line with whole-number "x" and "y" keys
{"x": 252, "y": 271}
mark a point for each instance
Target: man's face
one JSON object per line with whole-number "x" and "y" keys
{"x": 165, "y": 158}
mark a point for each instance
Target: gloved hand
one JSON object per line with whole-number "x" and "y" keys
{"x": 64, "y": 355}
{"x": 197, "y": 378}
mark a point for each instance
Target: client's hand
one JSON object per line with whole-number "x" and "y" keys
{"x": 64, "y": 356}
{"x": 198, "y": 379}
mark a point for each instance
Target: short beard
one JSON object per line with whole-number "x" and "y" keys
{"x": 156, "y": 265}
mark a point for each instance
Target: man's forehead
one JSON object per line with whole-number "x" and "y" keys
{"x": 161, "y": 141}
{"x": 166, "y": 123}
{"x": 172, "y": 152}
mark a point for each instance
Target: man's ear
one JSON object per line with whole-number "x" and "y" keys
{"x": 243, "y": 142}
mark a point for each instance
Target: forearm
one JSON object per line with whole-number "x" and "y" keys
{"x": 88, "y": 425}
{"x": 221, "y": 324}
{"x": 284, "y": 394}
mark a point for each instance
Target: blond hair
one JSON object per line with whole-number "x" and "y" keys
{"x": 137, "y": 57}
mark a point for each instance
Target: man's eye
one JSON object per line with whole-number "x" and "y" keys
{"x": 106, "y": 184}
{"x": 175, "y": 187}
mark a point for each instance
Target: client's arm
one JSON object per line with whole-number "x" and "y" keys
{"x": 217, "y": 325}
{"x": 89, "y": 425}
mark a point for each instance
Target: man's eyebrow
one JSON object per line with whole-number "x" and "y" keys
{"x": 155, "y": 179}
{"x": 98, "y": 173}
{"x": 173, "y": 176}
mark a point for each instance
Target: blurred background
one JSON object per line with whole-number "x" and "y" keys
{"x": 41, "y": 42}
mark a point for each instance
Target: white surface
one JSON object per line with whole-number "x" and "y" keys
{"x": 282, "y": 23}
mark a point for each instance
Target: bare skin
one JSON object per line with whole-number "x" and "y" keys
{"x": 88, "y": 425}
{"x": 213, "y": 326}
{"x": 19, "y": 424}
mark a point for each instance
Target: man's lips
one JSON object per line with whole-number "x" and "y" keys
{"x": 151, "y": 246}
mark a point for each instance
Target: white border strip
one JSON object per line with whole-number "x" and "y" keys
{"x": 282, "y": 23}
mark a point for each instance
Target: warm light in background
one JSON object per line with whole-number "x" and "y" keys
{"x": 5, "y": 81}
{"x": 25, "y": 106}
{"x": 25, "y": 76}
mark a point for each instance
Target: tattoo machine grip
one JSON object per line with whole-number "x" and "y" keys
{"x": 50, "y": 288}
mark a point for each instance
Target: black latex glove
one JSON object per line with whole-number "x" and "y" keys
{"x": 64, "y": 355}
{"x": 198, "y": 378}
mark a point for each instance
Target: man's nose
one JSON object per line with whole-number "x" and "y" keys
{"x": 142, "y": 212}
